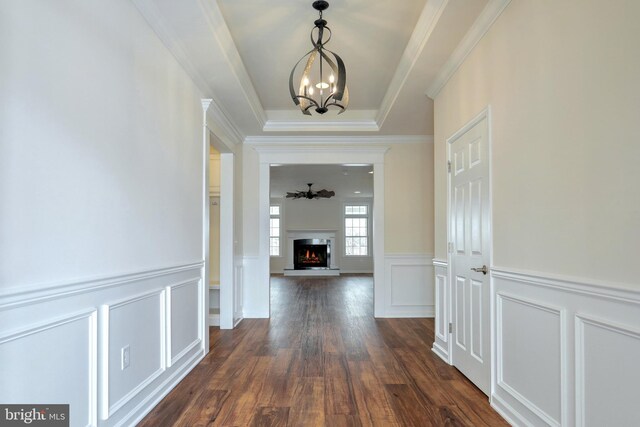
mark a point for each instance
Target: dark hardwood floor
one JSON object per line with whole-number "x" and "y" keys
{"x": 323, "y": 360}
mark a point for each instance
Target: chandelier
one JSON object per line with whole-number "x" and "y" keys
{"x": 326, "y": 85}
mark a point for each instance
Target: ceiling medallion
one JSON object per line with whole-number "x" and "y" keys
{"x": 329, "y": 78}
{"x": 322, "y": 194}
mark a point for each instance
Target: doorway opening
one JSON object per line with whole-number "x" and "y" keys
{"x": 321, "y": 219}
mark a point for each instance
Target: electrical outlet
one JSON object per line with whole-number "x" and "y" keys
{"x": 125, "y": 357}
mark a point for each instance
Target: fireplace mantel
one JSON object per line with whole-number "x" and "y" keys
{"x": 295, "y": 234}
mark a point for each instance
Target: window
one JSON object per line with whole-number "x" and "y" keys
{"x": 356, "y": 230}
{"x": 274, "y": 230}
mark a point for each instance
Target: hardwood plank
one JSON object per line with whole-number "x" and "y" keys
{"x": 271, "y": 417}
{"x": 407, "y": 407}
{"x": 308, "y": 405}
{"x": 204, "y": 409}
{"x": 427, "y": 384}
{"x": 371, "y": 399}
{"x": 338, "y": 394}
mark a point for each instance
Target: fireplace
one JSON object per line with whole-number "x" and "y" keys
{"x": 318, "y": 262}
{"x": 310, "y": 254}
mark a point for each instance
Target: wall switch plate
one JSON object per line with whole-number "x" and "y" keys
{"x": 125, "y": 357}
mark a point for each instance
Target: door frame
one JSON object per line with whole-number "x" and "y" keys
{"x": 333, "y": 154}
{"x": 484, "y": 114}
{"x": 228, "y": 287}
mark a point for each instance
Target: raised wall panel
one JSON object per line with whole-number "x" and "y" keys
{"x": 185, "y": 315}
{"x": 409, "y": 279}
{"x": 442, "y": 343}
{"x": 238, "y": 294}
{"x": 529, "y": 355}
{"x": 139, "y": 324}
{"x": 53, "y": 363}
{"x": 442, "y": 315}
{"x": 409, "y": 285}
{"x": 607, "y": 373}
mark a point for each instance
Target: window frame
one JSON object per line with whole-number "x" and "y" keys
{"x": 344, "y": 226}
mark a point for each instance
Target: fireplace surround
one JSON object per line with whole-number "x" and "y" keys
{"x": 320, "y": 245}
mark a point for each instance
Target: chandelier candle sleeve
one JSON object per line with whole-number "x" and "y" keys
{"x": 338, "y": 95}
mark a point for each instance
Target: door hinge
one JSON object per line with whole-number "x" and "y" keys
{"x": 450, "y": 247}
{"x": 449, "y": 166}
{"x": 450, "y": 328}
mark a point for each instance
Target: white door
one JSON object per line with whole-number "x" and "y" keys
{"x": 470, "y": 247}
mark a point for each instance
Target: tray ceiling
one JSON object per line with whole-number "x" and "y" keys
{"x": 398, "y": 55}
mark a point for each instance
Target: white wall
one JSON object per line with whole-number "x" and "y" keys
{"x": 101, "y": 207}
{"x": 561, "y": 79}
{"x": 325, "y": 214}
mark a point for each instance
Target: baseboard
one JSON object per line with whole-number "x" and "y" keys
{"x": 507, "y": 412}
{"x": 441, "y": 353}
{"x": 139, "y": 412}
{"x": 255, "y": 314}
{"x": 410, "y": 312}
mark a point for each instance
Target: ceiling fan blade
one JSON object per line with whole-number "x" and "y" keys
{"x": 325, "y": 194}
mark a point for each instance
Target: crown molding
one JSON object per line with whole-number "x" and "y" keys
{"x": 222, "y": 35}
{"x": 149, "y": 11}
{"x": 421, "y": 33}
{"x": 288, "y": 141}
{"x": 485, "y": 20}
{"x": 290, "y": 149}
{"x": 293, "y": 121}
{"x": 324, "y": 126}
{"x": 221, "y": 126}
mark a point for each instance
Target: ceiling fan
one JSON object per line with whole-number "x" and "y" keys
{"x": 324, "y": 194}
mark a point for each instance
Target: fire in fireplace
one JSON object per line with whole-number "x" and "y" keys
{"x": 311, "y": 254}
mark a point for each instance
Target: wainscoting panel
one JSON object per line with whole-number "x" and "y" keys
{"x": 238, "y": 294}
{"x": 136, "y": 326}
{"x": 565, "y": 351}
{"x": 256, "y": 288}
{"x": 63, "y": 343}
{"x": 528, "y": 336}
{"x": 607, "y": 393}
{"x": 184, "y": 331}
{"x": 441, "y": 344}
{"x": 409, "y": 286}
{"x": 37, "y": 361}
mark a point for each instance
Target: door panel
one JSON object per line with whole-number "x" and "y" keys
{"x": 470, "y": 235}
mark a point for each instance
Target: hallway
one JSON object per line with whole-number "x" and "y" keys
{"x": 323, "y": 360}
